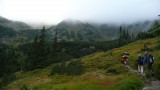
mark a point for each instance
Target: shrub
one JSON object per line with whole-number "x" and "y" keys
{"x": 114, "y": 70}
{"x": 0, "y": 85}
{"x": 145, "y": 35}
{"x": 158, "y": 44}
{"x": 132, "y": 84}
{"x": 24, "y": 87}
{"x": 74, "y": 67}
{"x": 58, "y": 69}
{"x": 6, "y": 79}
{"x": 156, "y": 69}
{"x": 146, "y": 48}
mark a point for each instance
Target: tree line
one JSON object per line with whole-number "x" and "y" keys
{"x": 154, "y": 31}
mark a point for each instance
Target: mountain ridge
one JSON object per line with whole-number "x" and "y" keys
{"x": 76, "y": 30}
{"x": 16, "y": 25}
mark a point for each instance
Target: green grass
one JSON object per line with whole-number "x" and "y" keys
{"x": 71, "y": 86}
{"x": 103, "y": 72}
{"x": 132, "y": 82}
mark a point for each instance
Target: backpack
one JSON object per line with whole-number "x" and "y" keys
{"x": 151, "y": 59}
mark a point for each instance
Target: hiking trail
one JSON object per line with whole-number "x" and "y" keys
{"x": 149, "y": 84}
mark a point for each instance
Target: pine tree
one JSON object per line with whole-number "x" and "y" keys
{"x": 21, "y": 59}
{"x": 132, "y": 36}
{"x": 155, "y": 29}
{"x": 42, "y": 37}
{"x": 120, "y": 36}
{"x": 39, "y": 53}
{"x": 55, "y": 38}
{"x": 128, "y": 36}
{"x": 124, "y": 36}
{"x": 54, "y": 48}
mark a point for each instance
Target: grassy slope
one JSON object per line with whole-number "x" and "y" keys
{"x": 104, "y": 71}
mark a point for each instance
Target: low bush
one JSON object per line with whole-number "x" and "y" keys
{"x": 74, "y": 67}
{"x": 156, "y": 67}
{"x": 114, "y": 70}
{"x": 24, "y": 87}
{"x": 158, "y": 45}
{"x": 146, "y": 48}
{"x": 129, "y": 85}
{"x": 6, "y": 79}
{"x": 58, "y": 69}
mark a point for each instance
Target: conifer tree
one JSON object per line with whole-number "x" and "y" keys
{"x": 22, "y": 57}
{"x": 124, "y": 36}
{"x": 55, "y": 38}
{"x": 39, "y": 53}
{"x": 155, "y": 29}
{"x": 120, "y": 36}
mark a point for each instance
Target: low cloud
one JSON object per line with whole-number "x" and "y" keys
{"x": 101, "y": 11}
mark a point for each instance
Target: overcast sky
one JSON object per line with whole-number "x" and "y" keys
{"x": 102, "y": 11}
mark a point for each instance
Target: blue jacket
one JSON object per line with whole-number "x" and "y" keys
{"x": 146, "y": 57}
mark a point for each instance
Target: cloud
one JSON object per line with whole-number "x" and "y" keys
{"x": 102, "y": 11}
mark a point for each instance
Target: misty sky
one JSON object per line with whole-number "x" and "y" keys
{"x": 102, "y": 11}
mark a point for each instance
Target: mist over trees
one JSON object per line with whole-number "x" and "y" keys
{"x": 154, "y": 31}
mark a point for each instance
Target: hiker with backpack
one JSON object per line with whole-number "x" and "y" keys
{"x": 125, "y": 58}
{"x": 140, "y": 61}
{"x": 150, "y": 63}
{"x": 149, "y": 59}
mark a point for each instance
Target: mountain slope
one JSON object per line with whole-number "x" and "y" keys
{"x": 104, "y": 72}
{"x": 76, "y": 30}
{"x": 16, "y": 25}
{"x": 73, "y": 30}
{"x": 139, "y": 26}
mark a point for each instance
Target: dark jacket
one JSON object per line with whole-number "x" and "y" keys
{"x": 146, "y": 57}
{"x": 140, "y": 60}
{"x": 151, "y": 59}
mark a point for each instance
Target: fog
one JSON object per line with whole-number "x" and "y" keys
{"x": 99, "y": 11}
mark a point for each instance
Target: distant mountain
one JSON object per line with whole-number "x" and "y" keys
{"x": 16, "y": 25}
{"x": 76, "y": 30}
{"x": 10, "y": 29}
{"x": 73, "y": 30}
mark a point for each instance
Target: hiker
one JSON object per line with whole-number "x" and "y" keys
{"x": 125, "y": 58}
{"x": 150, "y": 62}
{"x": 149, "y": 59}
{"x": 140, "y": 61}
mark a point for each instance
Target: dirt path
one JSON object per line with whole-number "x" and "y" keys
{"x": 150, "y": 84}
